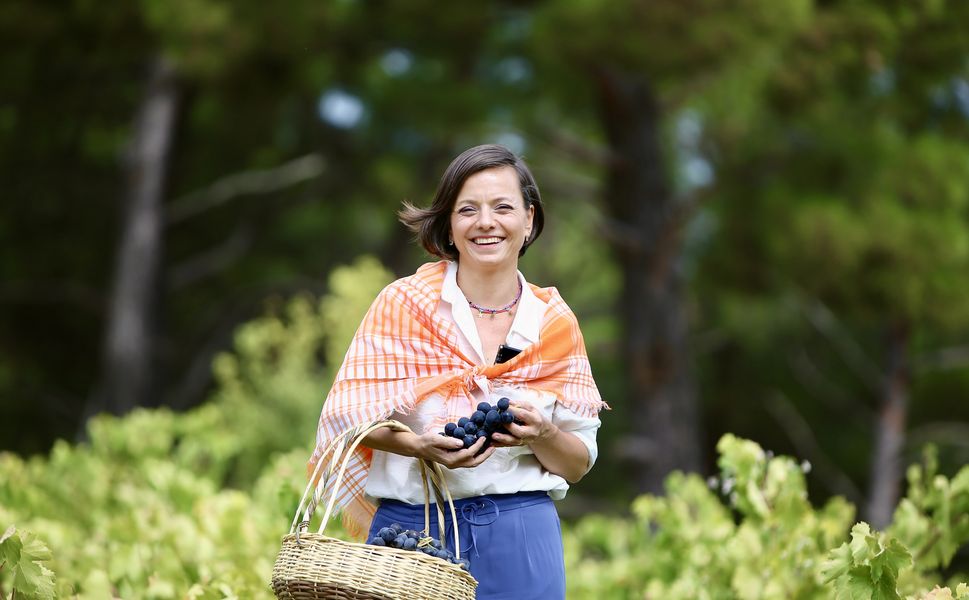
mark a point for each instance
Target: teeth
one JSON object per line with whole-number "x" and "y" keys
{"x": 490, "y": 240}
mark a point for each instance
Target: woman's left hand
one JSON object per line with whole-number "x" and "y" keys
{"x": 530, "y": 426}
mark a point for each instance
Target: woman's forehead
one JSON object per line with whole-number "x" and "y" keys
{"x": 491, "y": 185}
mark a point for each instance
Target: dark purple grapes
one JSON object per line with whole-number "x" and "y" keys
{"x": 387, "y": 534}
{"x": 485, "y": 421}
{"x": 408, "y": 539}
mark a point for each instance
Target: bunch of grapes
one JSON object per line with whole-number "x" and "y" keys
{"x": 396, "y": 536}
{"x": 483, "y": 422}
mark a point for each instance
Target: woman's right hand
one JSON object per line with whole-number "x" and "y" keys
{"x": 451, "y": 452}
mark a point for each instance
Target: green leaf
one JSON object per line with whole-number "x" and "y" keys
{"x": 837, "y": 564}
{"x": 856, "y": 586}
{"x": 863, "y": 544}
{"x": 8, "y": 533}
{"x": 10, "y": 546}
{"x": 34, "y": 549}
{"x": 890, "y": 561}
{"x": 23, "y": 553}
{"x": 26, "y": 576}
{"x": 885, "y": 590}
{"x": 44, "y": 586}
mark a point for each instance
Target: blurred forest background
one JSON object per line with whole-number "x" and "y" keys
{"x": 759, "y": 209}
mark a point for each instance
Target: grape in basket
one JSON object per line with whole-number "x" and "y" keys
{"x": 396, "y": 536}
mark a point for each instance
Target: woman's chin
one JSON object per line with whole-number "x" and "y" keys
{"x": 487, "y": 260}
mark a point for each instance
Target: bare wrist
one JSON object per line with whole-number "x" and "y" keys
{"x": 548, "y": 433}
{"x": 411, "y": 443}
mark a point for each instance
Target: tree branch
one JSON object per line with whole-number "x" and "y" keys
{"x": 253, "y": 182}
{"x": 806, "y": 371}
{"x": 574, "y": 146}
{"x": 212, "y": 260}
{"x": 806, "y": 444}
{"x": 826, "y": 323}
{"x": 633, "y": 238}
{"x": 953, "y": 357}
{"x": 953, "y": 434}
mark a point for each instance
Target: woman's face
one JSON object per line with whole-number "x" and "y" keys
{"x": 489, "y": 223}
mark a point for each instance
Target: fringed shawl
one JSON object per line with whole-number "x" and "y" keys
{"x": 404, "y": 351}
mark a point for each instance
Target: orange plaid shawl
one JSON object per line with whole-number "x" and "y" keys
{"x": 403, "y": 351}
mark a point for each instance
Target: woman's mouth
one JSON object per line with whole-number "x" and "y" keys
{"x": 486, "y": 241}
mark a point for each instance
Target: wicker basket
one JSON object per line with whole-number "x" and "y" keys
{"x": 313, "y": 566}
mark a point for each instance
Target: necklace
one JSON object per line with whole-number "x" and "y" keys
{"x": 482, "y": 311}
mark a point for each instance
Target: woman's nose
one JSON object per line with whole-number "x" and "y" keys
{"x": 485, "y": 218}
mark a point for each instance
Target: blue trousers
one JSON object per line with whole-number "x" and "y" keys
{"x": 514, "y": 542}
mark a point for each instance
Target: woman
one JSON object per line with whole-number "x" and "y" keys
{"x": 428, "y": 352}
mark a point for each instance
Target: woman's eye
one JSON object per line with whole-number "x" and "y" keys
{"x": 466, "y": 210}
{"x": 504, "y": 207}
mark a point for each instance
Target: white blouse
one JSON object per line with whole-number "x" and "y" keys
{"x": 508, "y": 470}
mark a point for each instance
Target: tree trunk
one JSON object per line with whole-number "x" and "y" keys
{"x": 646, "y": 238}
{"x": 127, "y": 378}
{"x": 886, "y": 465}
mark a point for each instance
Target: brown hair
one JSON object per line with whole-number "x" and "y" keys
{"x": 432, "y": 225}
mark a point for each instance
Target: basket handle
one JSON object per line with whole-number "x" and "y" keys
{"x": 308, "y": 502}
{"x": 343, "y": 447}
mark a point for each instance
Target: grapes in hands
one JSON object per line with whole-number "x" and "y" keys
{"x": 483, "y": 422}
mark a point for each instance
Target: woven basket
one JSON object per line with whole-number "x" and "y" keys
{"x": 313, "y": 566}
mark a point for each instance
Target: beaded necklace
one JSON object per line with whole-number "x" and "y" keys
{"x": 482, "y": 311}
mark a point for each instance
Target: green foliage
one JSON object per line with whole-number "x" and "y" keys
{"x": 838, "y": 200}
{"x": 23, "y": 555}
{"x": 142, "y": 511}
{"x": 352, "y": 289}
{"x": 932, "y": 521}
{"x": 867, "y": 567}
{"x": 687, "y": 40}
{"x": 749, "y": 534}
{"x": 276, "y": 376}
{"x": 129, "y": 517}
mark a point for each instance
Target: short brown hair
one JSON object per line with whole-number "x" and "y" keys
{"x": 432, "y": 225}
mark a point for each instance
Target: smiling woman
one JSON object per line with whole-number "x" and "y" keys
{"x": 489, "y": 225}
{"x": 425, "y": 355}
